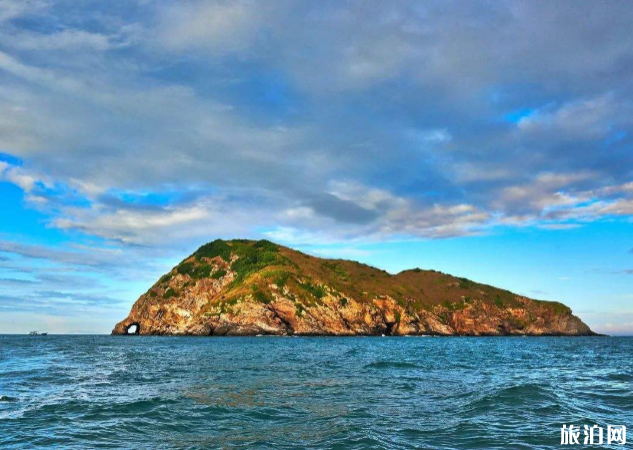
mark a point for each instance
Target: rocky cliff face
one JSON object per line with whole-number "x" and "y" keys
{"x": 249, "y": 288}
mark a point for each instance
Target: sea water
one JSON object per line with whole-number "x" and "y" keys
{"x": 273, "y": 392}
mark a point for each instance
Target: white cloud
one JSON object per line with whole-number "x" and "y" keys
{"x": 11, "y": 9}
{"x": 95, "y": 257}
{"x": 611, "y": 322}
{"x": 437, "y": 136}
{"x": 17, "y": 176}
{"x": 544, "y": 192}
{"x": 559, "y": 226}
{"x": 581, "y": 118}
{"x": 217, "y": 27}
{"x": 64, "y": 40}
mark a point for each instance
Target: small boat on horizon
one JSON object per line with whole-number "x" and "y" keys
{"x": 37, "y": 333}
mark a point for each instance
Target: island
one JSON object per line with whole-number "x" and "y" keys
{"x": 247, "y": 288}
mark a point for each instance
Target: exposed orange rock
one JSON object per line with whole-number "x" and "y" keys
{"x": 250, "y": 288}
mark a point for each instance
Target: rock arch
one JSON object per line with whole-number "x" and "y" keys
{"x": 133, "y": 329}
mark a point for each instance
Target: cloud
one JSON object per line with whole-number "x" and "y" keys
{"x": 14, "y": 281}
{"x": 612, "y": 322}
{"x": 341, "y": 210}
{"x": 579, "y": 119}
{"x": 338, "y": 121}
{"x": 612, "y": 272}
{"x": 95, "y": 257}
{"x": 200, "y": 219}
{"x": 64, "y": 40}
{"x": 542, "y": 193}
{"x": 560, "y": 226}
{"x": 217, "y": 27}
{"x": 435, "y": 136}
{"x": 11, "y": 9}
{"x": 123, "y": 224}
{"x": 84, "y": 282}
{"x": 57, "y": 303}
{"x": 16, "y": 176}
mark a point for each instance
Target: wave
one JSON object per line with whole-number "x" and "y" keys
{"x": 620, "y": 376}
{"x": 392, "y": 365}
{"x": 528, "y": 395}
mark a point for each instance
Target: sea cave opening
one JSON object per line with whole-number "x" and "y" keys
{"x": 134, "y": 328}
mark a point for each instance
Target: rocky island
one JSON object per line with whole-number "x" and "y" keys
{"x": 243, "y": 287}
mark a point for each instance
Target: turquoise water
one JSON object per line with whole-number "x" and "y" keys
{"x": 160, "y": 392}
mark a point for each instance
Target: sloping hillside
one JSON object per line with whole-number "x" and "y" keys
{"x": 245, "y": 287}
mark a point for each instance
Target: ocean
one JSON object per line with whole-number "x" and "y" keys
{"x": 282, "y": 392}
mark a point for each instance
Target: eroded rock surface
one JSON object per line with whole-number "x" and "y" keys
{"x": 249, "y": 288}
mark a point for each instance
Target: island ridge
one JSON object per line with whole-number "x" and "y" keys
{"x": 243, "y": 287}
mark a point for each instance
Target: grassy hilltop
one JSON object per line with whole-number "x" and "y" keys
{"x": 258, "y": 287}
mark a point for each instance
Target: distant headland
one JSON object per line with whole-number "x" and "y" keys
{"x": 244, "y": 287}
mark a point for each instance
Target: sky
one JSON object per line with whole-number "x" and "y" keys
{"x": 491, "y": 140}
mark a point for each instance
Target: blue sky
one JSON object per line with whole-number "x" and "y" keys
{"x": 492, "y": 141}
